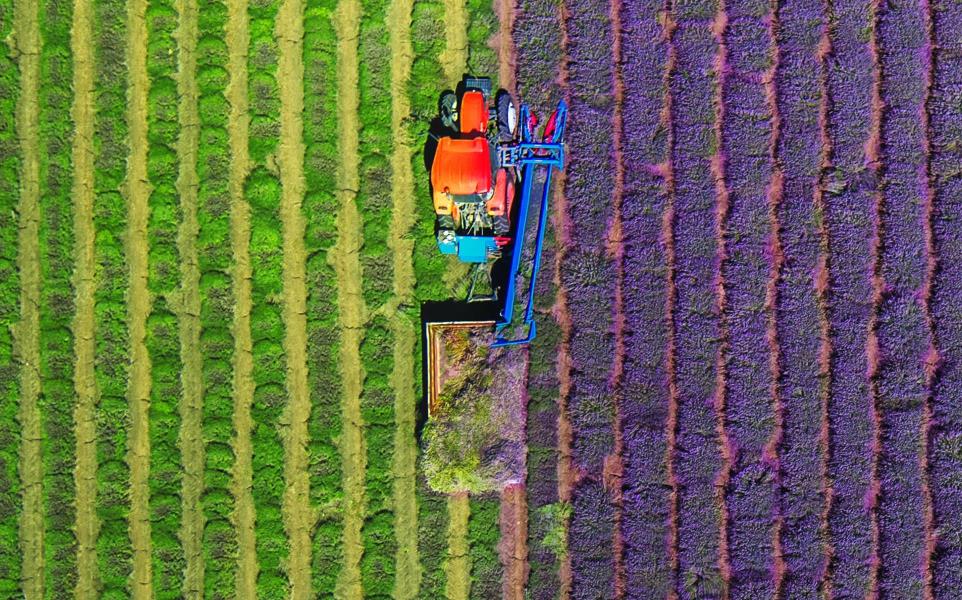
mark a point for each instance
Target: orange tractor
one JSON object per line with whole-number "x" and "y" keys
{"x": 477, "y": 173}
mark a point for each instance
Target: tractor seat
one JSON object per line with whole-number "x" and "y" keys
{"x": 462, "y": 167}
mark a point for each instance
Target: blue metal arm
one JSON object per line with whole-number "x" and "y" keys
{"x": 529, "y": 155}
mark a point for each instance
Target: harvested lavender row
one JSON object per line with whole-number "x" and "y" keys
{"x": 645, "y": 525}
{"x": 903, "y": 331}
{"x": 798, "y": 312}
{"x": 751, "y": 496}
{"x": 945, "y": 115}
{"x": 537, "y": 37}
{"x": 850, "y": 208}
{"x": 588, "y": 276}
{"x": 695, "y": 319}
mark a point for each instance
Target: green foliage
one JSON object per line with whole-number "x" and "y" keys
{"x": 163, "y": 281}
{"x": 483, "y": 536}
{"x": 9, "y": 315}
{"x": 482, "y": 27}
{"x": 555, "y": 518}
{"x": 216, "y": 307}
{"x": 263, "y": 193}
{"x": 111, "y": 360}
{"x": 377, "y": 411}
{"x": 319, "y": 209}
{"x": 432, "y": 540}
{"x": 56, "y": 299}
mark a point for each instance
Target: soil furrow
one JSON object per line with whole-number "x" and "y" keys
{"x": 85, "y": 478}
{"x": 191, "y": 441}
{"x": 457, "y": 569}
{"x": 242, "y": 475}
{"x": 407, "y": 566}
{"x": 298, "y": 517}
{"x": 350, "y": 299}
{"x": 138, "y": 299}
{"x": 27, "y": 332}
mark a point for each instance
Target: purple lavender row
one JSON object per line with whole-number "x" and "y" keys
{"x": 588, "y": 276}
{"x": 904, "y": 336}
{"x": 646, "y": 520}
{"x": 850, "y": 208}
{"x": 798, "y": 313}
{"x": 750, "y": 419}
{"x": 945, "y": 115}
{"x": 695, "y": 320}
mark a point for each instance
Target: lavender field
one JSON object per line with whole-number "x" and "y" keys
{"x": 217, "y": 240}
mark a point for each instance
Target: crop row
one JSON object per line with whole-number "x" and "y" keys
{"x": 588, "y": 275}
{"x": 427, "y": 39}
{"x": 163, "y": 283}
{"x": 799, "y": 311}
{"x": 849, "y": 219}
{"x": 319, "y": 208}
{"x": 217, "y": 301}
{"x": 482, "y": 25}
{"x": 904, "y": 334}
{"x": 377, "y": 410}
{"x": 696, "y": 328}
{"x": 114, "y": 553}
{"x": 57, "y": 302}
{"x": 483, "y": 536}
{"x": 374, "y": 204}
{"x": 537, "y": 38}
{"x": 263, "y": 192}
{"x": 945, "y": 448}
{"x": 645, "y": 529}
{"x": 9, "y": 315}
{"x": 750, "y": 417}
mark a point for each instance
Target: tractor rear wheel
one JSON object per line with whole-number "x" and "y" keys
{"x": 502, "y": 225}
{"x": 507, "y": 116}
{"x": 445, "y": 222}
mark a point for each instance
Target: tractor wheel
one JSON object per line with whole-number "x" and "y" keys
{"x": 445, "y": 222}
{"x": 448, "y": 107}
{"x": 507, "y": 116}
{"x": 502, "y": 225}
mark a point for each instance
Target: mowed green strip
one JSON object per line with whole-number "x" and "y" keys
{"x": 263, "y": 193}
{"x": 319, "y": 209}
{"x": 163, "y": 343}
{"x": 111, "y": 356}
{"x": 9, "y": 315}
{"x": 377, "y": 266}
{"x": 483, "y": 536}
{"x": 214, "y": 258}
{"x": 57, "y": 298}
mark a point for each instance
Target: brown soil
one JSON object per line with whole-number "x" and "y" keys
{"x": 237, "y": 42}
{"x": 505, "y": 45}
{"x": 27, "y": 333}
{"x": 350, "y": 300}
{"x": 513, "y": 547}
{"x": 191, "y": 442}
{"x": 407, "y": 565}
{"x": 85, "y": 472}
{"x": 297, "y": 511}
{"x": 457, "y": 569}
{"x": 138, "y": 300}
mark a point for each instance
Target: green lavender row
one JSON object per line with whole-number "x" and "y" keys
{"x": 9, "y": 314}
{"x": 319, "y": 209}
{"x": 111, "y": 358}
{"x": 163, "y": 281}
{"x": 216, "y": 299}
{"x": 377, "y": 411}
{"x": 57, "y": 298}
{"x": 263, "y": 192}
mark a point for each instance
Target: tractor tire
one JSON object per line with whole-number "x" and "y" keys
{"x": 507, "y": 116}
{"x": 445, "y": 222}
{"x": 502, "y": 225}
{"x": 448, "y": 107}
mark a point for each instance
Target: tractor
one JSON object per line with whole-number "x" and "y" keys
{"x": 485, "y": 164}
{"x": 477, "y": 174}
